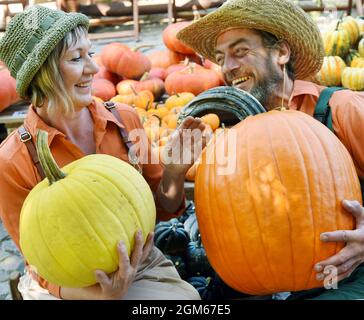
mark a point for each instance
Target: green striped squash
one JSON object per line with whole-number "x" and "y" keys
{"x": 353, "y": 78}
{"x": 336, "y": 43}
{"x": 330, "y": 73}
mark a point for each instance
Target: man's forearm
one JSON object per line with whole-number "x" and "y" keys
{"x": 170, "y": 193}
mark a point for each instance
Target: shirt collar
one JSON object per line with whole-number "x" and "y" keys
{"x": 33, "y": 122}
{"x": 301, "y": 87}
{"x": 102, "y": 115}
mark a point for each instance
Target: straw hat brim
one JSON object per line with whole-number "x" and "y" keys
{"x": 281, "y": 18}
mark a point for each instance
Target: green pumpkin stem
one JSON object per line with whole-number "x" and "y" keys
{"x": 47, "y": 162}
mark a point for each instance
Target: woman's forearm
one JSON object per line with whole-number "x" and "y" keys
{"x": 170, "y": 193}
{"x": 87, "y": 293}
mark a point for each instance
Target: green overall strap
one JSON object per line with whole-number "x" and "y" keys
{"x": 322, "y": 110}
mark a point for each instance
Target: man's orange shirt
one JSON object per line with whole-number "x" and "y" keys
{"x": 347, "y": 109}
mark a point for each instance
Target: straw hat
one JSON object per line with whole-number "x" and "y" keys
{"x": 281, "y": 18}
{"x": 30, "y": 38}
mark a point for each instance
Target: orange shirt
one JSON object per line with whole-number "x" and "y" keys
{"x": 347, "y": 109}
{"x": 18, "y": 175}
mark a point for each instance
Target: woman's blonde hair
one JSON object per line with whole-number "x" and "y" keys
{"x": 48, "y": 83}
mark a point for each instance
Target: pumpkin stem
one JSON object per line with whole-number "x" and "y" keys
{"x": 49, "y": 165}
{"x": 135, "y": 49}
{"x": 148, "y": 104}
{"x": 133, "y": 89}
{"x": 145, "y": 76}
{"x": 196, "y": 13}
{"x": 192, "y": 67}
{"x": 337, "y": 25}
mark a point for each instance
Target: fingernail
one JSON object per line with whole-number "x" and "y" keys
{"x": 121, "y": 243}
{"x": 320, "y": 277}
{"x": 327, "y": 271}
{"x": 318, "y": 268}
{"x": 348, "y": 204}
{"x": 324, "y": 237}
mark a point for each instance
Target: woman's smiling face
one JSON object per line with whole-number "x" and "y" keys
{"x": 77, "y": 70}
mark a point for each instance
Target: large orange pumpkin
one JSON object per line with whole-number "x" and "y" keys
{"x": 261, "y": 223}
{"x": 120, "y": 59}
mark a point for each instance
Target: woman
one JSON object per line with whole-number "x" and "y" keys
{"x": 48, "y": 52}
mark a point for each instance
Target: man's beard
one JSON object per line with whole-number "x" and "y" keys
{"x": 265, "y": 89}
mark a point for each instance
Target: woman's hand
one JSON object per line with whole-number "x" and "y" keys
{"x": 115, "y": 285}
{"x": 352, "y": 255}
{"x": 184, "y": 146}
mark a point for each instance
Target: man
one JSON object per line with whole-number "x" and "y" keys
{"x": 268, "y": 48}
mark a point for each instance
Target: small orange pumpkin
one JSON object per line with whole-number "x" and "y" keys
{"x": 171, "y": 41}
{"x": 103, "y": 89}
{"x": 155, "y": 85}
{"x": 126, "y": 62}
{"x": 191, "y": 79}
{"x": 144, "y": 99}
{"x": 8, "y": 94}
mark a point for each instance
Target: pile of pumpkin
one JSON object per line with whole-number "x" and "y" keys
{"x": 157, "y": 85}
{"x": 344, "y": 61}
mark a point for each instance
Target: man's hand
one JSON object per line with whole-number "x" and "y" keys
{"x": 352, "y": 255}
{"x": 184, "y": 146}
{"x": 115, "y": 285}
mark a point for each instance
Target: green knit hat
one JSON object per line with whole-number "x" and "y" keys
{"x": 30, "y": 38}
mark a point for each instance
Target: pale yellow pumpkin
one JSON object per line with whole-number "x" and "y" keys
{"x": 357, "y": 62}
{"x": 361, "y": 47}
{"x": 71, "y": 226}
{"x": 350, "y": 24}
{"x": 330, "y": 73}
{"x": 336, "y": 43}
{"x": 353, "y": 78}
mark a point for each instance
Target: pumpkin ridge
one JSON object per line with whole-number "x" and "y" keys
{"x": 308, "y": 184}
{"x": 139, "y": 220}
{"x": 337, "y": 224}
{"x": 113, "y": 214}
{"x": 218, "y": 208}
{"x": 30, "y": 239}
{"x": 251, "y": 174}
{"x": 320, "y": 208}
{"x": 231, "y": 207}
{"x": 287, "y": 213}
{"x": 87, "y": 220}
{"x": 51, "y": 252}
{"x": 129, "y": 186}
{"x": 208, "y": 201}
